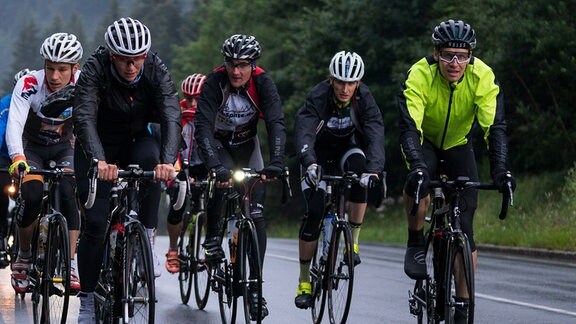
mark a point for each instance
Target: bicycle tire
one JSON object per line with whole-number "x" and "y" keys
{"x": 422, "y": 297}
{"x": 12, "y": 237}
{"x": 250, "y": 266}
{"x": 459, "y": 252}
{"x": 186, "y": 273}
{"x": 138, "y": 304}
{"x": 318, "y": 283}
{"x": 223, "y": 285}
{"x": 105, "y": 290}
{"x": 56, "y": 275}
{"x": 340, "y": 273}
{"x": 36, "y": 269}
{"x": 199, "y": 266}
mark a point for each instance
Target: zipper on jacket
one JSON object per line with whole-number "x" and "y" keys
{"x": 447, "y": 117}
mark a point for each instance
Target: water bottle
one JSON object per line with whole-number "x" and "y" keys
{"x": 42, "y": 236}
{"x": 232, "y": 239}
{"x": 327, "y": 224}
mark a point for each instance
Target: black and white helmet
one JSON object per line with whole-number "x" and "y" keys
{"x": 456, "y": 34}
{"x": 347, "y": 66}
{"x": 22, "y": 73}
{"x": 128, "y": 37}
{"x": 241, "y": 47}
{"x": 62, "y": 48}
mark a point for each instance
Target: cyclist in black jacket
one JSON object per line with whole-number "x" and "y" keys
{"x": 233, "y": 98}
{"x": 339, "y": 122}
{"x": 123, "y": 89}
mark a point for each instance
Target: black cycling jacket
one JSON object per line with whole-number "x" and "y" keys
{"x": 108, "y": 112}
{"x": 311, "y": 118}
{"x": 262, "y": 93}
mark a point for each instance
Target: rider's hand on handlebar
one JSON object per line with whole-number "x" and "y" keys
{"x": 271, "y": 172}
{"x": 223, "y": 177}
{"x": 502, "y": 178}
{"x": 15, "y": 166}
{"x": 412, "y": 181}
{"x": 311, "y": 176}
{"x": 164, "y": 171}
{"x": 369, "y": 180}
{"x": 107, "y": 172}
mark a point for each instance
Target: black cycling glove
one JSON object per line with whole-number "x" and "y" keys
{"x": 272, "y": 171}
{"x": 222, "y": 174}
{"x": 412, "y": 182}
{"x": 502, "y": 178}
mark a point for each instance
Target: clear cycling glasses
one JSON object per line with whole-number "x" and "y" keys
{"x": 460, "y": 57}
{"x": 241, "y": 65}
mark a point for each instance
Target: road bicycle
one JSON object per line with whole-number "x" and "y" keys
{"x": 193, "y": 268}
{"x": 448, "y": 254}
{"x": 125, "y": 291}
{"x": 240, "y": 273}
{"x": 332, "y": 267}
{"x": 49, "y": 275}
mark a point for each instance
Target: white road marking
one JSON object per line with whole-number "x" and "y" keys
{"x": 519, "y": 303}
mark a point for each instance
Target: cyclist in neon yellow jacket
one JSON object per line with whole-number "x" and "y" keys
{"x": 443, "y": 97}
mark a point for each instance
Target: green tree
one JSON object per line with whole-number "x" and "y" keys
{"x": 166, "y": 23}
{"x": 26, "y": 52}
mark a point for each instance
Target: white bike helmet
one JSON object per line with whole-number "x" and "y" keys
{"x": 22, "y": 73}
{"x": 62, "y": 48}
{"x": 347, "y": 67}
{"x": 128, "y": 37}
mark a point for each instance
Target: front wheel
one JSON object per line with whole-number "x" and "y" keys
{"x": 199, "y": 266}
{"x": 459, "y": 277}
{"x": 185, "y": 258}
{"x": 55, "y": 283}
{"x": 340, "y": 273}
{"x": 250, "y": 275}
{"x": 139, "y": 294}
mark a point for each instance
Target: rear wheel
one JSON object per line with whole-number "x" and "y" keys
{"x": 12, "y": 239}
{"x": 319, "y": 284}
{"x": 340, "y": 274}
{"x": 426, "y": 289}
{"x": 222, "y": 281}
{"x": 104, "y": 292}
{"x": 459, "y": 282}
{"x": 139, "y": 294}
{"x": 34, "y": 280}
{"x": 56, "y": 277}
{"x": 201, "y": 271}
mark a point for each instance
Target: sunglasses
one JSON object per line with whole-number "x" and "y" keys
{"x": 460, "y": 58}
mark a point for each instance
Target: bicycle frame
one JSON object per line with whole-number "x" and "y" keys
{"x": 50, "y": 272}
{"x": 127, "y": 252}
{"x": 241, "y": 273}
{"x": 338, "y": 269}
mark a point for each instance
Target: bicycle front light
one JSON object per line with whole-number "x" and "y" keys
{"x": 239, "y": 175}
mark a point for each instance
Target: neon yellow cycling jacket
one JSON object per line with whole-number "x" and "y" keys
{"x": 442, "y": 112}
